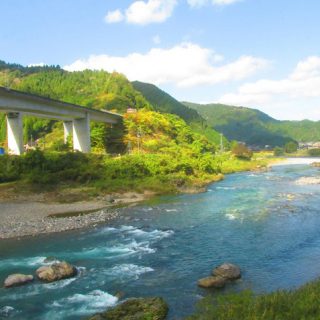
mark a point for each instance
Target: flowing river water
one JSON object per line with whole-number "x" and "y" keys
{"x": 268, "y": 223}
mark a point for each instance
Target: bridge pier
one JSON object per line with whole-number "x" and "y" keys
{"x": 67, "y": 127}
{"x": 81, "y": 134}
{"x": 17, "y": 104}
{"x": 15, "y": 133}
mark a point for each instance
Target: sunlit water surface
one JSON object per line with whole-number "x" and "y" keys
{"x": 265, "y": 222}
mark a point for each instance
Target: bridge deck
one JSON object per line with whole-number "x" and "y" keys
{"x": 76, "y": 118}
{"x": 30, "y": 104}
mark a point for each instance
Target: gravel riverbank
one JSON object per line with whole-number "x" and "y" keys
{"x": 30, "y": 218}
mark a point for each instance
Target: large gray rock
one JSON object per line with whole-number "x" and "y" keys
{"x": 136, "y": 309}
{"x": 227, "y": 271}
{"x": 17, "y": 280}
{"x": 212, "y": 282}
{"x": 56, "y": 271}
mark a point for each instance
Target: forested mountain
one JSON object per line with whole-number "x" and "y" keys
{"x": 163, "y": 102}
{"x": 93, "y": 89}
{"x": 303, "y": 131}
{"x": 113, "y": 91}
{"x": 255, "y": 127}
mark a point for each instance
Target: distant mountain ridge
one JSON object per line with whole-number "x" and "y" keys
{"x": 113, "y": 91}
{"x": 255, "y": 127}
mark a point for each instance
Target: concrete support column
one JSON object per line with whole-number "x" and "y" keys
{"x": 15, "y": 133}
{"x": 67, "y": 126}
{"x": 81, "y": 134}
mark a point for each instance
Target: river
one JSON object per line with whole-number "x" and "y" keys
{"x": 268, "y": 223}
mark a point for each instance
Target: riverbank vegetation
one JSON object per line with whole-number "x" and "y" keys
{"x": 151, "y": 150}
{"x": 92, "y": 89}
{"x": 163, "y": 155}
{"x": 302, "y": 303}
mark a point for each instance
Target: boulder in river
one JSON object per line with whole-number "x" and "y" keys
{"x": 316, "y": 164}
{"x": 56, "y": 271}
{"x": 17, "y": 279}
{"x": 136, "y": 309}
{"x": 212, "y": 282}
{"x": 227, "y": 271}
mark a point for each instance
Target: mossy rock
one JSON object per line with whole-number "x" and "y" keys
{"x": 136, "y": 309}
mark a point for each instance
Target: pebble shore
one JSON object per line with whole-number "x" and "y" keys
{"x": 29, "y": 218}
{"x": 12, "y": 228}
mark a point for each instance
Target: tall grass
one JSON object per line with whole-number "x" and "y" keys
{"x": 299, "y": 304}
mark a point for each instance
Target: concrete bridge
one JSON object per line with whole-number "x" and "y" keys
{"x": 76, "y": 119}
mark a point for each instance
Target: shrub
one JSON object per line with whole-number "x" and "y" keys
{"x": 278, "y": 151}
{"x": 241, "y": 151}
{"x": 10, "y": 168}
{"x": 59, "y": 145}
{"x": 127, "y": 167}
{"x": 291, "y": 147}
{"x": 314, "y": 152}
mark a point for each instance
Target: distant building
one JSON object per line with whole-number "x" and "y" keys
{"x": 309, "y": 145}
{"x": 131, "y": 110}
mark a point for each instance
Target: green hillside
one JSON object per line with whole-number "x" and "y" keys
{"x": 255, "y": 127}
{"x": 303, "y": 131}
{"x": 163, "y": 102}
{"x": 165, "y": 152}
{"x": 93, "y": 89}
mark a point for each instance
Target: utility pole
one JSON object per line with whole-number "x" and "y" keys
{"x": 139, "y": 137}
{"x": 221, "y": 143}
{"x": 129, "y": 148}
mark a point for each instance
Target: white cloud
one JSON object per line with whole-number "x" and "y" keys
{"x": 152, "y": 11}
{"x": 143, "y": 12}
{"x": 184, "y": 65}
{"x": 114, "y": 16}
{"x": 303, "y": 82}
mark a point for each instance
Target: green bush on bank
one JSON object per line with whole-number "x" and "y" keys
{"x": 53, "y": 168}
{"x": 302, "y": 303}
{"x": 38, "y": 167}
{"x": 314, "y": 152}
{"x": 291, "y": 147}
{"x": 241, "y": 151}
{"x": 278, "y": 151}
{"x": 162, "y": 171}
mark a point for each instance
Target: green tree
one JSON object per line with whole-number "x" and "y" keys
{"x": 291, "y": 147}
{"x": 277, "y": 151}
{"x": 241, "y": 151}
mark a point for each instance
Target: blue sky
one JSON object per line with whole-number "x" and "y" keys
{"x": 257, "y": 53}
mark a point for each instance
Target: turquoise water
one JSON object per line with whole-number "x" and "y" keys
{"x": 264, "y": 222}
